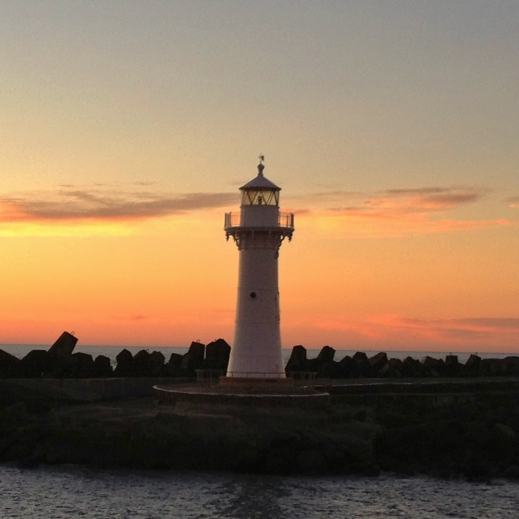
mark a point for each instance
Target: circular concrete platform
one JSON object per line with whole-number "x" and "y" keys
{"x": 255, "y": 394}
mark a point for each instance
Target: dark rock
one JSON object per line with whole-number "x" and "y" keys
{"x": 217, "y": 355}
{"x": 503, "y": 433}
{"x": 451, "y": 360}
{"x": 175, "y": 360}
{"x": 511, "y": 366}
{"x": 478, "y": 467}
{"x": 313, "y": 365}
{"x": 392, "y": 369}
{"x": 369, "y": 469}
{"x": 156, "y": 363}
{"x": 433, "y": 367}
{"x": 473, "y": 365}
{"x": 311, "y": 462}
{"x": 361, "y": 367}
{"x": 412, "y": 368}
{"x": 344, "y": 367}
{"x": 324, "y": 362}
{"x": 37, "y": 363}
{"x": 322, "y": 369}
{"x": 281, "y": 455}
{"x": 452, "y": 367}
{"x": 297, "y": 360}
{"x": 360, "y": 356}
{"x": 493, "y": 367}
{"x": 124, "y": 366}
{"x": 9, "y": 365}
{"x": 63, "y": 347}
{"x": 335, "y": 370}
{"x": 326, "y": 355}
{"x": 378, "y": 361}
{"x": 511, "y": 472}
{"x": 423, "y": 447}
{"x": 172, "y": 368}
{"x": 102, "y": 366}
{"x": 142, "y": 364}
{"x": 335, "y": 454}
{"x": 82, "y": 365}
{"x": 194, "y": 358}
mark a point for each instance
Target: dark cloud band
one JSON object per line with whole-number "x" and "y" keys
{"x": 85, "y": 204}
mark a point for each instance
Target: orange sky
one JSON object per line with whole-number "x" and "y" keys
{"x": 392, "y": 127}
{"x": 392, "y": 281}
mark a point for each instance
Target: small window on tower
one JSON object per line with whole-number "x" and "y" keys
{"x": 253, "y": 295}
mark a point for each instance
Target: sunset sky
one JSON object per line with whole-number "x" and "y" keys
{"x": 392, "y": 126}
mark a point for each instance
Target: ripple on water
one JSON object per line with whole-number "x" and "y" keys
{"x": 73, "y": 492}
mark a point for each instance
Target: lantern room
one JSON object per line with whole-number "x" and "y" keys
{"x": 260, "y": 191}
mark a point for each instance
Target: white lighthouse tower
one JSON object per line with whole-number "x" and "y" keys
{"x": 258, "y": 230}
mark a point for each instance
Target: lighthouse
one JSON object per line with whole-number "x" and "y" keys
{"x": 258, "y": 231}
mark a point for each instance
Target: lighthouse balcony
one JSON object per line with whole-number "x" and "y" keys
{"x": 238, "y": 222}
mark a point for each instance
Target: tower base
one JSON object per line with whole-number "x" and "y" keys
{"x": 249, "y": 382}
{"x": 252, "y": 393}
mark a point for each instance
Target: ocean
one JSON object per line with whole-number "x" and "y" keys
{"x": 69, "y": 492}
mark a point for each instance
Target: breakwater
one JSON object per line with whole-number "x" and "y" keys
{"x": 61, "y": 362}
{"x": 450, "y": 428}
{"x": 441, "y": 418}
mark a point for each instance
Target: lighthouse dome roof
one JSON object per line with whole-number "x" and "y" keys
{"x": 260, "y": 182}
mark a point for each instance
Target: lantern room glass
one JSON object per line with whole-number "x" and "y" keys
{"x": 260, "y": 197}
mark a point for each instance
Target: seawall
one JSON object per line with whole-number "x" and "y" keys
{"x": 100, "y": 388}
{"x": 450, "y": 428}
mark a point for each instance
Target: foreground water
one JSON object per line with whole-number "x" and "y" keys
{"x": 72, "y": 492}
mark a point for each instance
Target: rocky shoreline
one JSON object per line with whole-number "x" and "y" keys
{"x": 60, "y": 362}
{"x": 464, "y": 427}
{"x": 474, "y": 437}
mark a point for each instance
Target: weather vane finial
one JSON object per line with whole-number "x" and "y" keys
{"x": 261, "y": 167}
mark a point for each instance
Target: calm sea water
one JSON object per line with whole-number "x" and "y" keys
{"x": 72, "y": 492}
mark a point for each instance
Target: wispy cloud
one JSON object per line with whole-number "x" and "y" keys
{"x": 71, "y": 204}
{"x": 396, "y": 202}
{"x": 396, "y": 212}
{"x": 513, "y": 202}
